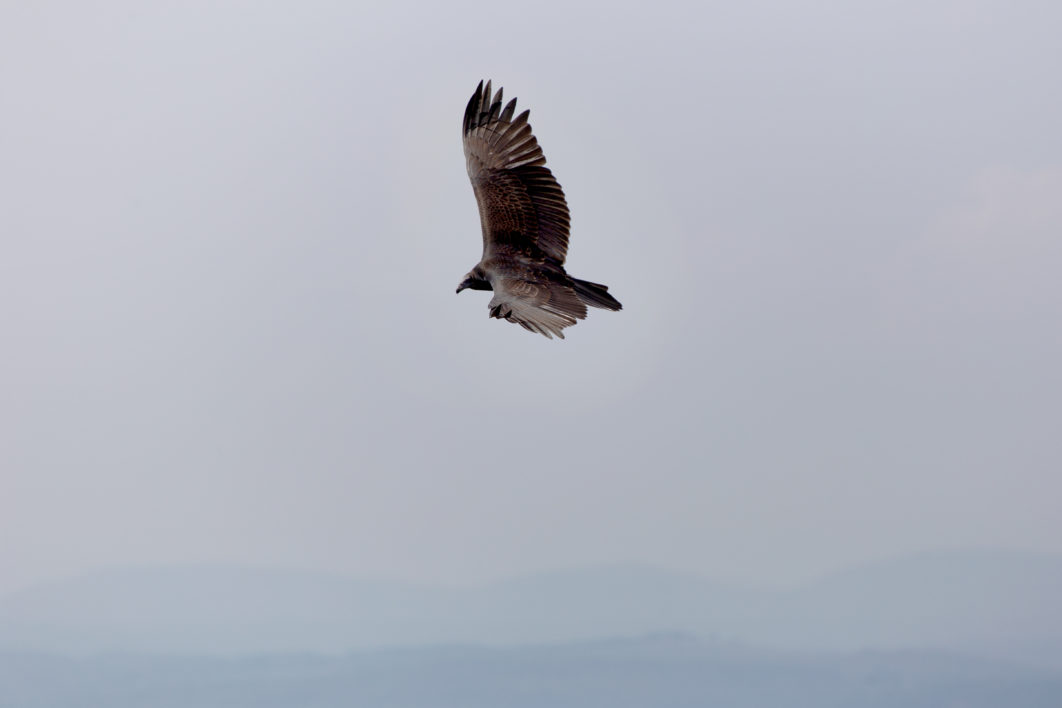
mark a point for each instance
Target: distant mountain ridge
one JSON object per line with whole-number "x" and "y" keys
{"x": 663, "y": 671}
{"x": 1003, "y": 603}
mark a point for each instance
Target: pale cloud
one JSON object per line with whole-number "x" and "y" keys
{"x": 231, "y": 238}
{"x": 994, "y": 254}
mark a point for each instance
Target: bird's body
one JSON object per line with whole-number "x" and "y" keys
{"x": 525, "y": 223}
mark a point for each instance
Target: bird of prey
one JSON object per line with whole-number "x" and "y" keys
{"x": 525, "y": 223}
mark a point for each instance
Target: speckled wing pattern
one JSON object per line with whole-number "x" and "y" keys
{"x": 520, "y": 203}
{"x": 524, "y": 217}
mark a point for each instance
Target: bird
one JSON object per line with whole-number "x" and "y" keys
{"x": 525, "y": 222}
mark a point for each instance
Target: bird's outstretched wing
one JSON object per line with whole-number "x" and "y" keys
{"x": 521, "y": 207}
{"x": 539, "y": 306}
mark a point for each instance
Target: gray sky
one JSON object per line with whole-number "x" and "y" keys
{"x": 230, "y": 235}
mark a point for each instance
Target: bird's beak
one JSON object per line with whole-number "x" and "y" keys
{"x": 461, "y": 287}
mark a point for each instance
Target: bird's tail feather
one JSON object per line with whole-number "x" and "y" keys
{"x": 595, "y": 294}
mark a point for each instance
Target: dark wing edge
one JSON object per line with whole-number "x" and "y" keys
{"x": 497, "y": 144}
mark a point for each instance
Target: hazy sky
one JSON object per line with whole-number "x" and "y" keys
{"x": 230, "y": 235}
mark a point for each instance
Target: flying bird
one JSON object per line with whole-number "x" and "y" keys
{"x": 525, "y": 223}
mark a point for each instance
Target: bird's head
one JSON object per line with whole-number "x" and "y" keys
{"x": 475, "y": 280}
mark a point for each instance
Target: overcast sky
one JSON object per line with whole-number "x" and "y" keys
{"x": 230, "y": 235}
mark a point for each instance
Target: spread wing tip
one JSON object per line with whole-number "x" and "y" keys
{"x": 484, "y": 108}
{"x": 471, "y": 109}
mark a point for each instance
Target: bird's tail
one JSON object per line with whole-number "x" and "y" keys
{"x": 595, "y": 295}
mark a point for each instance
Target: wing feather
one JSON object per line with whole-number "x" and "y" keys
{"x": 520, "y": 202}
{"x": 539, "y": 306}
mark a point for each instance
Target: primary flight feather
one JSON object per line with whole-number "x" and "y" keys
{"x": 525, "y": 223}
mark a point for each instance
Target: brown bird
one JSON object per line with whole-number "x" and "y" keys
{"x": 525, "y": 223}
